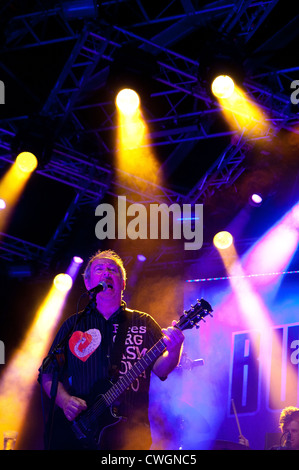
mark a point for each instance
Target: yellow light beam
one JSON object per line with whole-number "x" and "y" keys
{"x": 12, "y": 185}
{"x": 253, "y": 309}
{"x": 20, "y": 375}
{"x": 134, "y": 156}
{"x": 239, "y": 110}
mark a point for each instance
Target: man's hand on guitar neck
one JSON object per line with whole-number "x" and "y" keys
{"x": 173, "y": 338}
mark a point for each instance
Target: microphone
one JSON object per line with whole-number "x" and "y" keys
{"x": 288, "y": 441}
{"x": 102, "y": 286}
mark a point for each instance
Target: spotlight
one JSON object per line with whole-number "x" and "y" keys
{"x": 223, "y": 240}
{"x": 127, "y": 101}
{"x": 2, "y": 204}
{"x": 255, "y": 199}
{"x": 74, "y": 267}
{"x": 141, "y": 258}
{"x": 63, "y": 282}
{"x": 26, "y": 162}
{"x": 223, "y": 86}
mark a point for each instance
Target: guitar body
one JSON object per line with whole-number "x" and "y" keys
{"x": 88, "y": 430}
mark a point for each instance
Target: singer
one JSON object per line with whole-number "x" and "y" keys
{"x": 104, "y": 342}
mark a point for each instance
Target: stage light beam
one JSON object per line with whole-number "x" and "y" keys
{"x": 74, "y": 267}
{"x": 134, "y": 155}
{"x": 273, "y": 252}
{"x": 12, "y": 186}
{"x": 20, "y": 374}
{"x": 242, "y": 112}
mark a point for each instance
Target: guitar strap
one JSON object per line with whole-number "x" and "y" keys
{"x": 119, "y": 345}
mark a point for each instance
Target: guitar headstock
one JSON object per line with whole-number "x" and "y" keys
{"x": 194, "y": 315}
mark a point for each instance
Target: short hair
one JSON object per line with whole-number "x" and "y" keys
{"x": 110, "y": 254}
{"x": 288, "y": 414}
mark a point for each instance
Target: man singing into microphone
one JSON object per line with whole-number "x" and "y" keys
{"x": 104, "y": 342}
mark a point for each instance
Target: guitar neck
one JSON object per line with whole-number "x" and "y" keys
{"x": 138, "y": 368}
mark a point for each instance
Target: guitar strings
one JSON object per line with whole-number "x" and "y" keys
{"x": 124, "y": 381}
{"x": 101, "y": 405}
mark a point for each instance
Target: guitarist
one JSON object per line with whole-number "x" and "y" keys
{"x": 104, "y": 342}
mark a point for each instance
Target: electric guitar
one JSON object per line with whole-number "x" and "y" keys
{"x": 90, "y": 424}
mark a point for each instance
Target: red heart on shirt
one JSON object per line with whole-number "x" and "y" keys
{"x": 84, "y": 344}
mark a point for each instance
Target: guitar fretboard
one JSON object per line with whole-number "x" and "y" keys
{"x": 138, "y": 368}
{"x": 83, "y": 425}
{"x": 187, "y": 320}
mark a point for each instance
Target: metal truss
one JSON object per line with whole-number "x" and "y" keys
{"x": 38, "y": 28}
{"x": 93, "y": 50}
{"x": 227, "y": 168}
{"x": 12, "y": 248}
